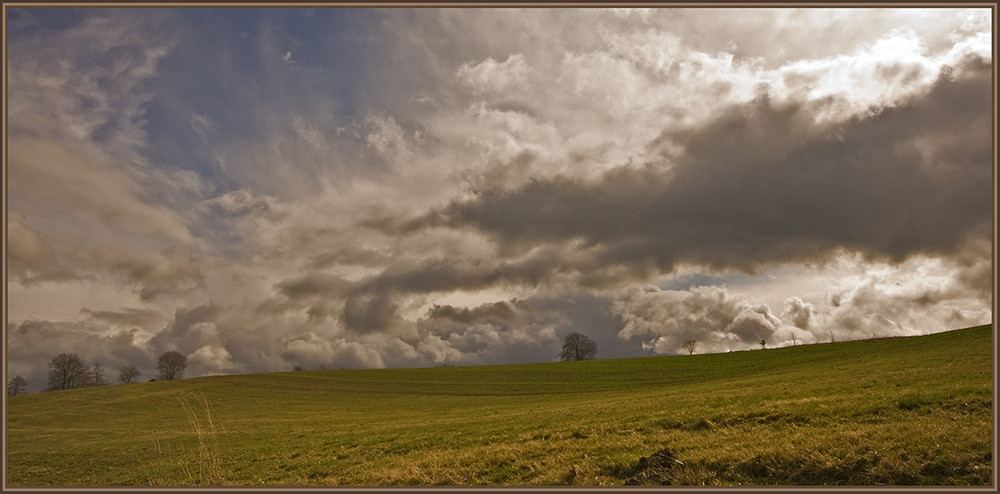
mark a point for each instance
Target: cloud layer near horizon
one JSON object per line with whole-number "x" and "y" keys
{"x": 396, "y": 187}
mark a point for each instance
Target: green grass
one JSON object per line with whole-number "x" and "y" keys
{"x": 895, "y": 411}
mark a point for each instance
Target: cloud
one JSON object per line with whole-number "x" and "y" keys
{"x": 490, "y": 75}
{"x": 799, "y": 313}
{"x": 505, "y": 331}
{"x": 974, "y": 269}
{"x": 309, "y": 351}
{"x": 87, "y": 81}
{"x": 762, "y": 184}
{"x": 710, "y": 315}
{"x": 239, "y": 202}
{"x": 309, "y": 134}
{"x": 521, "y": 330}
{"x": 859, "y": 299}
{"x": 628, "y": 12}
{"x": 26, "y": 245}
{"x": 29, "y": 257}
{"x": 81, "y": 182}
{"x": 373, "y": 351}
{"x": 212, "y": 360}
{"x": 190, "y": 329}
{"x": 367, "y": 313}
{"x": 127, "y": 317}
{"x": 314, "y": 285}
{"x": 75, "y": 145}
{"x": 388, "y": 139}
{"x": 161, "y": 273}
{"x": 502, "y": 311}
{"x": 918, "y": 298}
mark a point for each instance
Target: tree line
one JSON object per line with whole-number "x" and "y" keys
{"x": 68, "y": 371}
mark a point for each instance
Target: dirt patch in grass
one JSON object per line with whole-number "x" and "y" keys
{"x": 660, "y": 468}
{"x": 811, "y": 468}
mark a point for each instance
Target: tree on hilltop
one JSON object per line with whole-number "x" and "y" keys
{"x": 128, "y": 374}
{"x": 690, "y": 346}
{"x": 17, "y": 386}
{"x": 578, "y": 347}
{"x": 171, "y": 366}
{"x": 96, "y": 376}
{"x": 67, "y": 371}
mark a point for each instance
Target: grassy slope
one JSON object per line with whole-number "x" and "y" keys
{"x": 891, "y": 411}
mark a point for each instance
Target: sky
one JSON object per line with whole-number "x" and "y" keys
{"x": 261, "y": 189}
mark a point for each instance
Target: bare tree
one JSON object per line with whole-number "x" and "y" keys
{"x": 578, "y": 347}
{"x": 128, "y": 374}
{"x": 67, "y": 371}
{"x": 96, "y": 376}
{"x": 690, "y": 346}
{"x": 171, "y": 366}
{"x": 17, "y": 386}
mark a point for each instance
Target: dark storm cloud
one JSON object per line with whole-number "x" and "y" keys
{"x": 190, "y": 329}
{"x": 498, "y": 311}
{"x": 313, "y": 285}
{"x": 593, "y": 315}
{"x": 975, "y": 269}
{"x": 762, "y": 183}
{"x": 366, "y": 313}
{"x": 349, "y": 255}
{"x": 516, "y": 330}
{"x": 432, "y": 275}
{"x": 130, "y": 316}
{"x": 372, "y": 302}
{"x": 531, "y": 329}
{"x": 163, "y": 273}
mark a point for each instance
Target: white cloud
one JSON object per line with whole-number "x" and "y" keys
{"x": 848, "y": 299}
{"x": 212, "y": 360}
{"x": 718, "y": 320}
{"x": 492, "y": 76}
{"x": 309, "y": 134}
{"x": 202, "y": 125}
{"x": 642, "y": 14}
{"x": 440, "y": 351}
{"x": 390, "y": 141}
{"x": 240, "y": 202}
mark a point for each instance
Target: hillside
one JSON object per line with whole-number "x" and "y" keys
{"x": 906, "y": 411}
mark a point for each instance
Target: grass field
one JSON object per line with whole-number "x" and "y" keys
{"x": 899, "y": 411}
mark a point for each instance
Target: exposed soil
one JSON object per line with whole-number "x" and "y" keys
{"x": 657, "y": 469}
